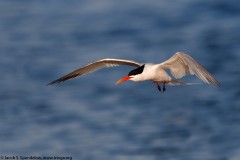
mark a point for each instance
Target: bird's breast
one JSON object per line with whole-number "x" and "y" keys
{"x": 152, "y": 72}
{"x": 155, "y": 73}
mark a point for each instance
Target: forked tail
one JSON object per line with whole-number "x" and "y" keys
{"x": 175, "y": 82}
{"x": 172, "y": 82}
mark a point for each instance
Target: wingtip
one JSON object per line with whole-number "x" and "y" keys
{"x": 215, "y": 83}
{"x": 49, "y": 84}
{"x": 218, "y": 84}
{"x": 53, "y": 82}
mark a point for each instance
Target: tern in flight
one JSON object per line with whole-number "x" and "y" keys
{"x": 180, "y": 64}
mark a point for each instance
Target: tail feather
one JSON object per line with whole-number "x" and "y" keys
{"x": 175, "y": 82}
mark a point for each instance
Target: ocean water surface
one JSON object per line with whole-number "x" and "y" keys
{"x": 91, "y": 117}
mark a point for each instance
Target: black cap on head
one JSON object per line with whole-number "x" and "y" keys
{"x": 136, "y": 71}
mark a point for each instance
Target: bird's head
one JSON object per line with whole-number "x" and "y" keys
{"x": 132, "y": 75}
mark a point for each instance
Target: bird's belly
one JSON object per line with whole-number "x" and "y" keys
{"x": 161, "y": 76}
{"x": 153, "y": 73}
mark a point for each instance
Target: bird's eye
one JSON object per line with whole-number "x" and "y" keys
{"x": 136, "y": 71}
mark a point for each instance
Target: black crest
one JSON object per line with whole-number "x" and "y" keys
{"x": 136, "y": 71}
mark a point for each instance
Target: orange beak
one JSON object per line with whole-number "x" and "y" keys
{"x": 123, "y": 79}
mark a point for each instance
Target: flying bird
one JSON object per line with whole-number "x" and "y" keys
{"x": 180, "y": 64}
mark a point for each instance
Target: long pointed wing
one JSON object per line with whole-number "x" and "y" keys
{"x": 181, "y": 64}
{"x": 97, "y": 65}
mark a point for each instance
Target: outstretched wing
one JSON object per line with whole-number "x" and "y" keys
{"x": 97, "y": 65}
{"x": 181, "y": 64}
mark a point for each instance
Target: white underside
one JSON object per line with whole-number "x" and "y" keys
{"x": 152, "y": 72}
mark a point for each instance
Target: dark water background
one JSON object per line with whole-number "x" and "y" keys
{"x": 90, "y": 117}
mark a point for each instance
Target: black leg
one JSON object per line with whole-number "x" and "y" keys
{"x": 164, "y": 88}
{"x": 159, "y": 87}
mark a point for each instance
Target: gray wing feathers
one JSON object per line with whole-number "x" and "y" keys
{"x": 92, "y": 67}
{"x": 181, "y": 64}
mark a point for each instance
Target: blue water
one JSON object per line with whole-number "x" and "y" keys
{"x": 90, "y": 117}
